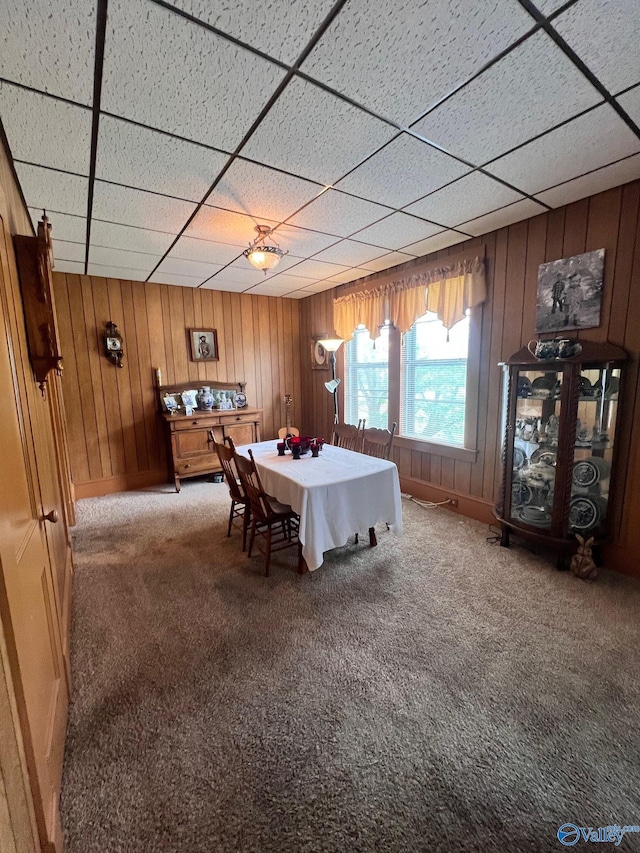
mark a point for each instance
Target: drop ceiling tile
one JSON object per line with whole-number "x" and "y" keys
{"x": 298, "y": 294}
{"x": 65, "y": 251}
{"x": 313, "y": 134}
{"x": 399, "y": 58}
{"x": 113, "y": 236}
{"x": 122, "y": 273}
{"x": 45, "y": 131}
{"x": 195, "y": 269}
{"x": 224, "y": 226}
{"x": 205, "y": 251}
{"x": 293, "y": 282}
{"x": 392, "y": 259}
{"x": 320, "y": 286}
{"x": 70, "y": 266}
{"x": 127, "y": 206}
{"x": 258, "y": 191}
{"x": 350, "y": 253}
{"x": 595, "y": 182}
{"x": 49, "y": 48}
{"x": 220, "y": 282}
{"x": 167, "y": 72}
{"x": 63, "y": 226}
{"x": 547, "y": 7}
{"x": 241, "y": 272}
{"x": 401, "y": 172}
{"x": 279, "y": 28}
{"x": 122, "y": 258}
{"x": 317, "y": 269}
{"x": 435, "y": 243}
{"x": 180, "y": 280}
{"x": 471, "y": 196}
{"x": 349, "y": 275}
{"x": 604, "y": 34}
{"x": 268, "y": 290}
{"x": 45, "y": 188}
{"x": 584, "y": 144}
{"x": 631, "y": 103}
{"x": 506, "y": 216}
{"x": 397, "y": 230}
{"x": 301, "y": 242}
{"x": 338, "y": 213}
{"x": 529, "y": 91}
{"x": 148, "y": 160}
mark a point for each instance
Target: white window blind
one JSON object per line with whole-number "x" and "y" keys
{"x": 434, "y": 379}
{"x": 366, "y": 383}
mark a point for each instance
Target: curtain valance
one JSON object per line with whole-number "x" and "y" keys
{"x": 448, "y": 289}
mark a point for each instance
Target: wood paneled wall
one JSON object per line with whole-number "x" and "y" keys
{"x": 115, "y": 436}
{"x": 608, "y": 220}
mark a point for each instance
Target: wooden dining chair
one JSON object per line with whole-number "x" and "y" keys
{"x": 377, "y": 442}
{"x": 348, "y": 435}
{"x": 240, "y": 508}
{"x": 273, "y": 524}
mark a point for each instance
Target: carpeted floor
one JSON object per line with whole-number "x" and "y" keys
{"x": 437, "y": 693}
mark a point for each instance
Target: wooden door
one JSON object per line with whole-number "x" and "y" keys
{"x": 28, "y": 609}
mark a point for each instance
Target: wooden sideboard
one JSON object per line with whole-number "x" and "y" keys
{"x": 190, "y": 440}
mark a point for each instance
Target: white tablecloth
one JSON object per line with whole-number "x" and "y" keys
{"x": 336, "y": 494}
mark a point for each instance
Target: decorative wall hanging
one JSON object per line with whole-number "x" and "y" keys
{"x": 113, "y": 347}
{"x": 570, "y": 293}
{"x": 204, "y": 344}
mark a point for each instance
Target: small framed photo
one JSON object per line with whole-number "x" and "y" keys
{"x": 170, "y": 403}
{"x": 189, "y": 399}
{"x": 203, "y": 344}
{"x": 320, "y": 357}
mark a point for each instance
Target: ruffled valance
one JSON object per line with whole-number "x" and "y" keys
{"x": 448, "y": 289}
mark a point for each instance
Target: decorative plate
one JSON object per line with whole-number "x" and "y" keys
{"x": 239, "y": 400}
{"x": 584, "y": 513}
{"x": 520, "y": 494}
{"x": 524, "y": 386}
{"x": 587, "y": 472}
{"x": 542, "y": 387}
{"x": 519, "y": 457}
{"x": 536, "y": 515}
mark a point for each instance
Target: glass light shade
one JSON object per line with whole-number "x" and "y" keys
{"x": 331, "y": 344}
{"x": 264, "y": 257}
{"x": 332, "y": 385}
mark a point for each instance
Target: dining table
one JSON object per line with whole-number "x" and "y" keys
{"x": 336, "y": 494}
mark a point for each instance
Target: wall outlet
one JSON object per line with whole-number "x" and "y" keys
{"x": 453, "y": 501}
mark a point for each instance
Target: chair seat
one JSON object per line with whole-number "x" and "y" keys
{"x": 278, "y": 508}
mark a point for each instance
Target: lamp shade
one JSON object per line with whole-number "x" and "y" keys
{"x": 331, "y": 344}
{"x": 332, "y": 385}
{"x": 261, "y": 254}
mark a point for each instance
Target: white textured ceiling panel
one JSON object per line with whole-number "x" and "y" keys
{"x": 116, "y": 272}
{"x": 595, "y": 182}
{"x": 403, "y": 171}
{"x": 631, "y": 103}
{"x": 195, "y": 269}
{"x": 350, "y": 253}
{"x": 338, "y": 213}
{"x": 167, "y": 72}
{"x": 50, "y": 48}
{"x": 315, "y": 135}
{"x": 547, "y": 7}
{"x": 301, "y": 242}
{"x": 291, "y": 282}
{"x": 435, "y": 243}
{"x": 205, "y": 251}
{"x": 399, "y": 58}
{"x": 220, "y": 283}
{"x": 383, "y": 263}
{"x": 180, "y": 280}
{"x": 269, "y": 289}
{"x": 529, "y": 91}
{"x": 127, "y": 206}
{"x": 113, "y": 236}
{"x": 471, "y": 196}
{"x": 240, "y": 272}
{"x": 122, "y": 258}
{"x": 46, "y": 131}
{"x": 224, "y": 226}
{"x": 55, "y": 191}
{"x": 68, "y": 251}
{"x": 349, "y": 275}
{"x": 259, "y": 191}
{"x": 604, "y": 34}
{"x": 320, "y": 286}
{"x": 313, "y": 268}
{"x": 280, "y": 28}
{"x": 298, "y": 294}
{"x": 505, "y": 216}
{"x": 142, "y": 158}
{"x": 397, "y": 230}
{"x": 63, "y": 226}
{"x": 70, "y": 266}
{"x": 584, "y": 144}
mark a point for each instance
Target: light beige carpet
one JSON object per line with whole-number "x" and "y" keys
{"x": 437, "y": 693}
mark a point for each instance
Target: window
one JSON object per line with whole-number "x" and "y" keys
{"x": 434, "y": 380}
{"x": 366, "y": 392}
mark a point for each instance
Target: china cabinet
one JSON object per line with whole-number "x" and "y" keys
{"x": 561, "y": 418}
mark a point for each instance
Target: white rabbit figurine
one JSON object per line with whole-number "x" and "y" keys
{"x": 582, "y": 564}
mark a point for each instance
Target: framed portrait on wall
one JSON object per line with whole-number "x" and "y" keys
{"x": 203, "y": 344}
{"x": 570, "y": 293}
{"x": 319, "y": 355}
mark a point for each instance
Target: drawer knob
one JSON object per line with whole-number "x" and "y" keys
{"x": 187, "y": 466}
{"x": 238, "y": 418}
{"x": 195, "y": 422}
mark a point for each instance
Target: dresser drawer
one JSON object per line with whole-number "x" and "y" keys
{"x": 196, "y": 422}
{"x": 197, "y": 465}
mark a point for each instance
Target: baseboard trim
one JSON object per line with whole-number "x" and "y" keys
{"x": 123, "y": 483}
{"x": 468, "y": 505}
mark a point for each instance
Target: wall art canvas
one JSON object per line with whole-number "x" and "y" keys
{"x": 570, "y": 293}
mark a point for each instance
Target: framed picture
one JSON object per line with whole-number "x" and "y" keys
{"x": 170, "y": 403}
{"x": 204, "y": 344}
{"x": 189, "y": 399}
{"x": 319, "y": 355}
{"x": 570, "y": 293}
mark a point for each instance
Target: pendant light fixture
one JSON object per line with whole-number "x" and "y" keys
{"x": 264, "y": 253}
